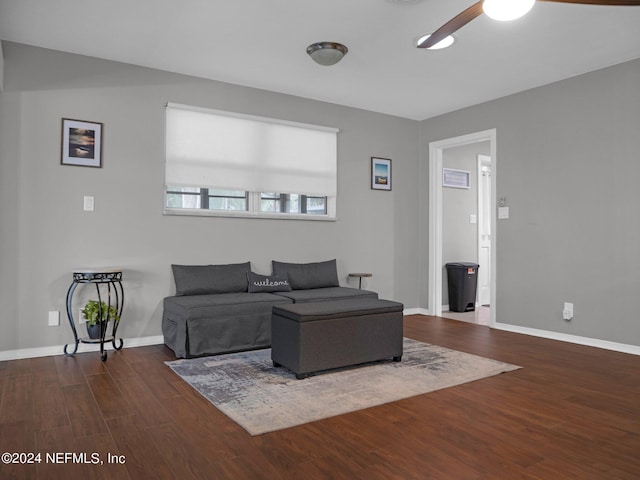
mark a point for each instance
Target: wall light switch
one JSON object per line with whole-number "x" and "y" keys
{"x": 473, "y": 218}
{"x": 503, "y": 212}
{"x": 89, "y": 204}
{"x": 54, "y": 318}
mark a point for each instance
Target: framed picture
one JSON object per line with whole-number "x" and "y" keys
{"x": 380, "y": 173}
{"x": 455, "y": 178}
{"x": 81, "y": 143}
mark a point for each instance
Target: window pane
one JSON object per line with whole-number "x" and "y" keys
{"x": 317, "y": 205}
{"x": 183, "y": 197}
{"x": 230, "y": 200}
{"x": 173, "y": 188}
{"x": 207, "y": 199}
{"x": 216, "y": 192}
{"x": 183, "y": 201}
{"x": 292, "y": 203}
{"x": 225, "y": 203}
{"x": 270, "y": 202}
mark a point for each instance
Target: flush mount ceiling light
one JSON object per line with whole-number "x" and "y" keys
{"x": 505, "y": 10}
{"x": 327, "y": 53}
{"x": 444, "y": 43}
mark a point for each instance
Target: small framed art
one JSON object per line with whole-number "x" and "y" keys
{"x": 455, "y": 178}
{"x": 380, "y": 173}
{"x": 81, "y": 143}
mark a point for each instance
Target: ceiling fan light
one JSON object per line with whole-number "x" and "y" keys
{"x": 444, "y": 43}
{"x": 327, "y": 53}
{"x": 505, "y": 10}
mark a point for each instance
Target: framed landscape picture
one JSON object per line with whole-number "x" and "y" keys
{"x": 380, "y": 173}
{"x": 81, "y": 143}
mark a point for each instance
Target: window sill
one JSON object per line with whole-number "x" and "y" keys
{"x": 268, "y": 216}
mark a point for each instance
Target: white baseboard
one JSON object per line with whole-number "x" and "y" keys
{"x": 83, "y": 347}
{"x": 159, "y": 340}
{"x": 416, "y": 311}
{"x": 564, "y": 337}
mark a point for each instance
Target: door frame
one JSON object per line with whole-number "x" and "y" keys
{"x": 481, "y": 162}
{"x": 435, "y": 216}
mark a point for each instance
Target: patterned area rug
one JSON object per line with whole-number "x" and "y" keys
{"x": 262, "y": 398}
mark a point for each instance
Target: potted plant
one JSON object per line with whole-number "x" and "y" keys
{"x": 97, "y": 315}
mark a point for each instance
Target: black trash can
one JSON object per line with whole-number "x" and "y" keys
{"x": 463, "y": 282}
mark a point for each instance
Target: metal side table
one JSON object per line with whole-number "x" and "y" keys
{"x": 360, "y": 276}
{"x": 112, "y": 280}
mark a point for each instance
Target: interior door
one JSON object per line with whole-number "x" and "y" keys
{"x": 484, "y": 229}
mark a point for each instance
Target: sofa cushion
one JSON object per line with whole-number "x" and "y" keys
{"x": 326, "y": 294}
{"x": 268, "y": 283}
{"x": 207, "y": 279}
{"x": 303, "y": 276}
{"x": 227, "y": 304}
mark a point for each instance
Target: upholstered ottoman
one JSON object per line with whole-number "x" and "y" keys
{"x": 310, "y": 337}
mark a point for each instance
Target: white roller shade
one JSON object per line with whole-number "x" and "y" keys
{"x": 211, "y": 148}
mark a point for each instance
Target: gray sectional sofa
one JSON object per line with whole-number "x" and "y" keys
{"x": 227, "y": 308}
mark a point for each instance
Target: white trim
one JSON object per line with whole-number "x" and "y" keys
{"x": 193, "y": 212}
{"x": 565, "y": 337}
{"x": 562, "y": 337}
{"x": 83, "y": 347}
{"x": 435, "y": 215}
{"x": 482, "y": 160}
{"x": 1, "y": 69}
{"x": 159, "y": 340}
{"x": 415, "y": 311}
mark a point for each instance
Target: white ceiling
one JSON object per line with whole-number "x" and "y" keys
{"x": 262, "y": 43}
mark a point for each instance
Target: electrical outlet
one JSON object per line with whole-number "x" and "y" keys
{"x": 567, "y": 311}
{"x": 54, "y": 318}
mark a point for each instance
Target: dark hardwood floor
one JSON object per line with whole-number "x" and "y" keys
{"x": 571, "y": 412}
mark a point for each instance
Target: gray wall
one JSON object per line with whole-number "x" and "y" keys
{"x": 45, "y": 233}
{"x": 459, "y": 236}
{"x": 568, "y": 164}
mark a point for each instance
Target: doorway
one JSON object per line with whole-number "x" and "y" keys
{"x": 436, "y": 154}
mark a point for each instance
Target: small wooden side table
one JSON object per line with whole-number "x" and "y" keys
{"x": 360, "y": 276}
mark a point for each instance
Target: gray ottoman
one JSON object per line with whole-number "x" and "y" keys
{"x": 310, "y": 337}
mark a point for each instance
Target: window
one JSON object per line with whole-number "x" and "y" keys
{"x": 221, "y": 163}
{"x": 292, "y": 203}
{"x": 206, "y": 198}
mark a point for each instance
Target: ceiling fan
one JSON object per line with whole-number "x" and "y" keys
{"x": 494, "y": 9}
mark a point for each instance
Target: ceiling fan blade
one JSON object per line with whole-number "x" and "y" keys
{"x": 623, "y": 3}
{"x": 453, "y": 25}
{"x": 475, "y": 10}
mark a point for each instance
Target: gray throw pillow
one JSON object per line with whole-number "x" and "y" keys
{"x": 304, "y": 276}
{"x": 264, "y": 283}
{"x": 207, "y": 279}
